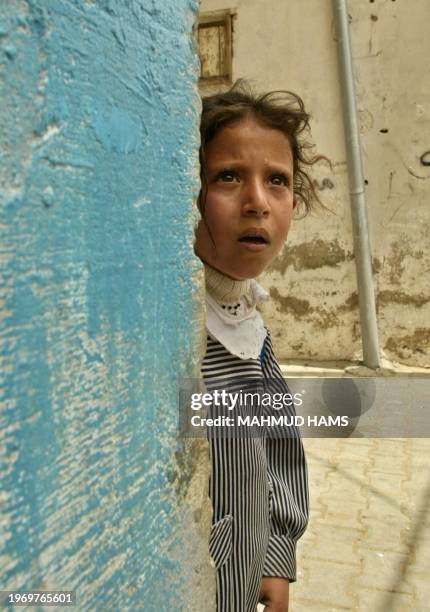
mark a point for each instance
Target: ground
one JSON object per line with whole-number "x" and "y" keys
{"x": 367, "y": 547}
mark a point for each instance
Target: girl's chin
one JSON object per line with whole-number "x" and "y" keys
{"x": 235, "y": 272}
{"x": 242, "y": 273}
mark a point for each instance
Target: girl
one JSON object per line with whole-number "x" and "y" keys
{"x": 253, "y": 172}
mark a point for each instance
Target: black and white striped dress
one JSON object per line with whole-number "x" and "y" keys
{"x": 258, "y": 489}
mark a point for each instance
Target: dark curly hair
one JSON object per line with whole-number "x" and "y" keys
{"x": 280, "y": 110}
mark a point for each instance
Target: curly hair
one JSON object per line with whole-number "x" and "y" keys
{"x": 280, "y": 110}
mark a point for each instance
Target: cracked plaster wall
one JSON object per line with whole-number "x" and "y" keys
{"x": 291, "y": 45}
{"x": 99, "y": 303}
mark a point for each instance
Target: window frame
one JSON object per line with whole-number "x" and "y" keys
{"x": 223, "y": 18}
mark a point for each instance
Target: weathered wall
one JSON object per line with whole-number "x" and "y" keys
{"x": 99, "y": 302}
{"x": 291, "y": 45}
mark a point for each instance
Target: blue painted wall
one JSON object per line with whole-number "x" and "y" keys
{"x": 98, "y": 162}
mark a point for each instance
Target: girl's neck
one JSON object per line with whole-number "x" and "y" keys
{"x": 223, "y": 288}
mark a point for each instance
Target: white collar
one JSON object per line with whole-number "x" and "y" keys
{"x": 231, "y": 314}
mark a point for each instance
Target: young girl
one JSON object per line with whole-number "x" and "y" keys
{"x": 253, "y": 171}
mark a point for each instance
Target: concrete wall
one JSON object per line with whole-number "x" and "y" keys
{"x": 100, "y": 302}
{"x": 291, "y": 45}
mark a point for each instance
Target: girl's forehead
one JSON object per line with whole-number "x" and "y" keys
{"x": 248, "y": 138}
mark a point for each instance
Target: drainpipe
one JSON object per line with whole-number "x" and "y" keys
{"x": 363, "y": 260}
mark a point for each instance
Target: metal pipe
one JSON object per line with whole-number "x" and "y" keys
{"x": 363, "y": 261}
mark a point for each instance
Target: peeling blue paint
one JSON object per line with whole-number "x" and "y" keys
{"x": 98, "y": 175}
{"x": 118, "y": 130}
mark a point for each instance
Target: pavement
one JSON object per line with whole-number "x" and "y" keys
{"x": 367, "y": 547}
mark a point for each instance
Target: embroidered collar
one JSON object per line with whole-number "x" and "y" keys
{"x": 231, "y": 314}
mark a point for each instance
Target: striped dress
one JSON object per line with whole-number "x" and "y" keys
{"x": 258, "y": 490}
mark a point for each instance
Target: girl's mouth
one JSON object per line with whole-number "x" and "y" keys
{"x": 254, "y": 240}
{"x": 257, "y": 239}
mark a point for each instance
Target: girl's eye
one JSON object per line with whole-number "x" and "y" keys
{"x": 227, "y": 176}
{"x": 279, "y": 179}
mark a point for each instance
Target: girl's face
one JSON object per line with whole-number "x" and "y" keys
{"x": 249, "y": 201}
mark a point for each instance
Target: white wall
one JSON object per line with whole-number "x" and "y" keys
{"x": 291, "y": 45}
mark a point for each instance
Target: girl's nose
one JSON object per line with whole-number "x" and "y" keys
{"x": 255, "y": 199}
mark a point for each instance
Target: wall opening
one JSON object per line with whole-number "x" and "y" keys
{"x": 214, "y": 42}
